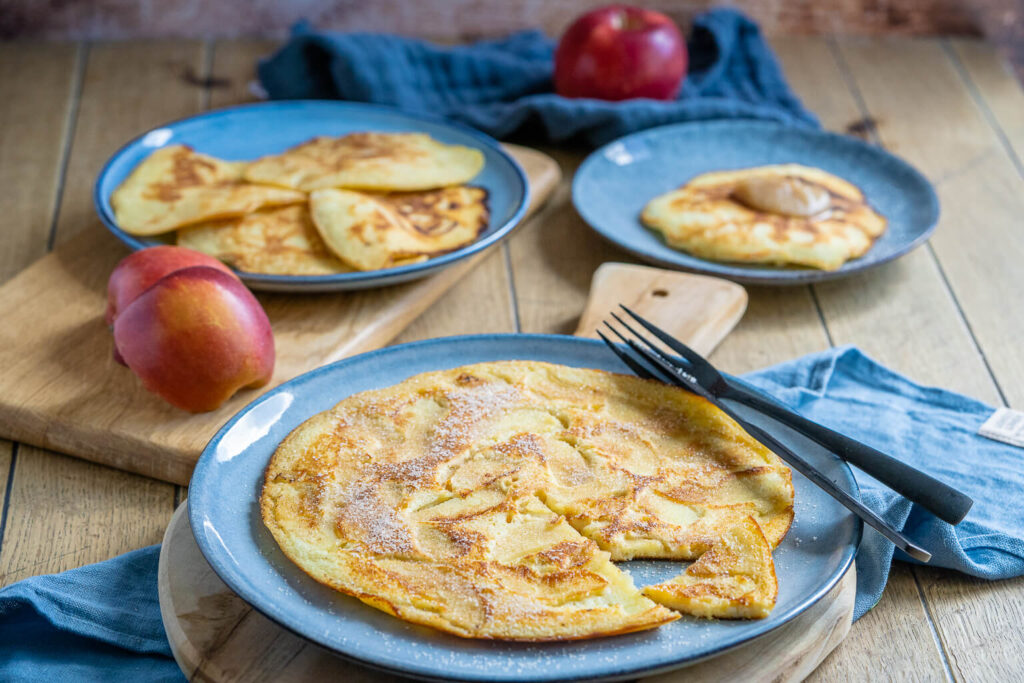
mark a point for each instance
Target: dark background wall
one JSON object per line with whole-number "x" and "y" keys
{"x": 1002, "y": 21}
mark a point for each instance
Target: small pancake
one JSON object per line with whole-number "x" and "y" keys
{"x": 733, "y": 580}
{"x": 441, "y": 500}
{"x": 705, "y": 218}
{"x": 373, "y": 231}
{"x": 369, "y": 161}
{"x": 176, "y": 186}
{"x": 273, "y": 241}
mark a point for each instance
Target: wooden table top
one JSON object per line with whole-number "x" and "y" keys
{"x": 950, "y": 107}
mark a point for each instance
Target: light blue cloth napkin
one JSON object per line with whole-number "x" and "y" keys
{"x": 935, "y": 431}
{"x": 504, "y": 86}
{"x": 102, "y": 622}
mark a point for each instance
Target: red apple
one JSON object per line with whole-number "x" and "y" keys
{"x": 195, "y": 337}
{"x": 619, "y": 52}
{"x": 138, "y": 271}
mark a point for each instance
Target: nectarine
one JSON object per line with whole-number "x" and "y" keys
{"x": 138, "y": 271}
{"x": 195, "y": 337}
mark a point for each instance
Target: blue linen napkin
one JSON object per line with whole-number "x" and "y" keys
{"x": 505, "y": 86}
{"x": 103, "y": 621}
{"x": 100, "y": 622}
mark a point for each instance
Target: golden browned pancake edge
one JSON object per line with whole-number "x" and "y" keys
{"x": 371, "y": 231}
{"x": 488, "y": 500}
{"x": 176, "y": 186}
{"x": 704, "y": 218}
{"x": 734, "y": 580}
{"x": 279, "y": 241}
{"x": 369, "y": 161}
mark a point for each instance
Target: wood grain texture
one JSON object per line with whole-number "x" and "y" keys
{"x": 64, "y": 513}
{"x": 61, "y": 388}
{"x": 780, "y": 324}
{"x": 6, "y": 453}
{"x": 871, "y": 311}
{"x": 234, "y": 69}
{"x": 128, "y": 88}
{"x": 701, "y": 310}
{"x": 888, "y": 642}
{"x": 36, "y": 81}
{"x": 983, "y": 204}
{"x": 997, "y": 86}
{"x": 554, "y": 258}
{"x": 979, "y": 247}
{"x": 479, "y": 303}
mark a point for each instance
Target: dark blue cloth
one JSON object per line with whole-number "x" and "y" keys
{"x": 100, "y": 622}
{"x": 103, "y": 621}
{"x": 503, "y": 87}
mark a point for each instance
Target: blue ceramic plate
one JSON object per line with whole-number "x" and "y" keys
{"x": 254, "y": 130}
{"x": 225, "y": 518}
{"x": 614, "y": 184}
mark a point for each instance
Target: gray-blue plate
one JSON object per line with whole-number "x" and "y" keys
{"x": 255, "y": 130}
{"x": 613, "y": 185}
{"x": 225, "y": 519}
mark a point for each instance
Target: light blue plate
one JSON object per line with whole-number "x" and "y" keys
{"x": 613, "y": 185}
{"x": 225, "y": 519}
{"x": 254, "y": 130}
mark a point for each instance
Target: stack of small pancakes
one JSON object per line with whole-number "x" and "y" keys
{"x": 364, "y": 201}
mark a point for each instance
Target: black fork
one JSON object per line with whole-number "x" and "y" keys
{"x": 942, "y": 500}
{"x": 643, "y": 359}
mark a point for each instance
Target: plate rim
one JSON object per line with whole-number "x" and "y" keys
{"x": 356, "y": 278}
{"x": 757, "y": 274}
{"x": 278, "y": 616}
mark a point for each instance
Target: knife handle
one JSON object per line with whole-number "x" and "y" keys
{"x": 942, "y": 500}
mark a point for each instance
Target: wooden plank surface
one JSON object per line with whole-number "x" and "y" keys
{"x": 37, "y": 82}
{"x": 64, "y": 512}
{"x": 979, "y": 185}
{"x": 37, "y": 100}
{"x": 846, "y": 308}
{"x": 952, "y": 109}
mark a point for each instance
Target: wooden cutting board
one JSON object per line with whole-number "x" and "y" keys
{"x": 61, "y": 389}
{"x": 216, "y": 636}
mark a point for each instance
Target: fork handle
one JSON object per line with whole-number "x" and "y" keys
{"x": 942, "y": 500}
{"x": 848, "y": 501}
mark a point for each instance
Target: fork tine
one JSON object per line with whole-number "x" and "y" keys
{"x": 670, "y": 341}
{"x": 664, "y": 356}
{"x": 636, "y": 350}
{"x": 671, "y": 373}
{"x": 633, "y": 365}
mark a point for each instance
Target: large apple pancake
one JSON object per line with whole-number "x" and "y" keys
{"x": 488, "y": 500}
{"x": 784, "y": 214}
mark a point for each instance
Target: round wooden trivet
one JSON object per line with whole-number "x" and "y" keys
{"x": 217, "y": 637}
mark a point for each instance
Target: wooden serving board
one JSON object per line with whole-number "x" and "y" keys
{"x": 61, "y": 389}
{"x": 216, "y": 636}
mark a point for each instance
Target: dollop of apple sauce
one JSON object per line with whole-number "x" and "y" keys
{"x": 781, "y": 194}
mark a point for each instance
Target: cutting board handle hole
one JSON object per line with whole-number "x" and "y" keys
{"x": 660, "y": 292}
